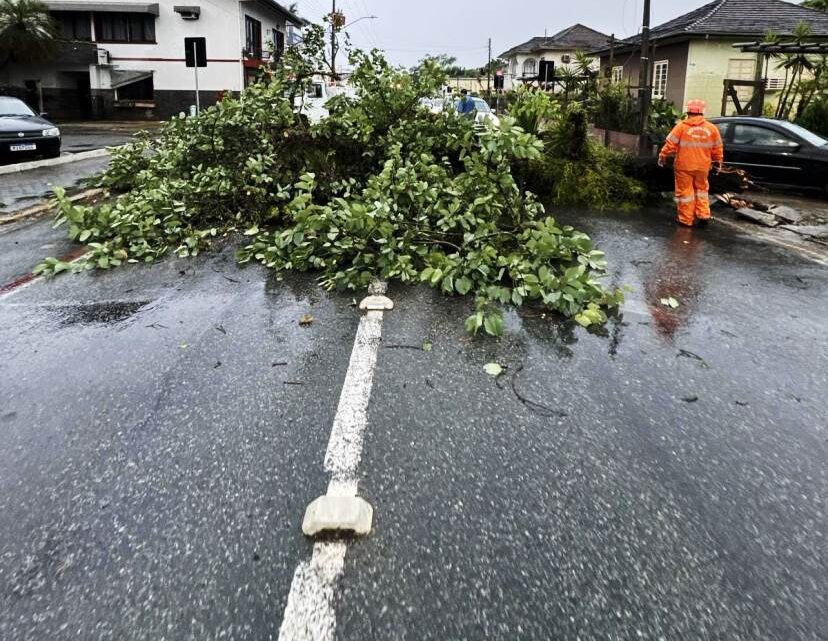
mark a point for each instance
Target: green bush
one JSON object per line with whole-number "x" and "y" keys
{"x": 380, "y": 189}
{"x": 577, "y": 171}
{"x": 815, "y": 117}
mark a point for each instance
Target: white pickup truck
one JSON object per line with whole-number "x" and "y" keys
{"x": 313, "y": 103}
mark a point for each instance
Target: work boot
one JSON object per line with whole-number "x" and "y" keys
{"x": 682, "y": 223}
{"x": 702, "y": 222}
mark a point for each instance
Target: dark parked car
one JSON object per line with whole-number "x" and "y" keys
{"x": 24, "y": 134}
{"x": 775, "y": 151}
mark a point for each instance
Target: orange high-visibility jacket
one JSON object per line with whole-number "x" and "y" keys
{"x": 696, "y": 143}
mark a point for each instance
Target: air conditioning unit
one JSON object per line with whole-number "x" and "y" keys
{"x": 188, "y": 12}
{"x": 103, "y": 56}
{"x": 566, "y": 58}
{"x": 775, "y": 84}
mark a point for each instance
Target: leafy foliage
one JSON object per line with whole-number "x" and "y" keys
{"x": 574, "y": 170}
{"x": 27, "y": 32}
{"x": 382, "y": 188}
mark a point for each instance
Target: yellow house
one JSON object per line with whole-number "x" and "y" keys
{"x": 693, "y": 54}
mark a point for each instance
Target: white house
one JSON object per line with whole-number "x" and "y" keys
{"x": 127, "y": 59}
{"x": 524, "y": 59}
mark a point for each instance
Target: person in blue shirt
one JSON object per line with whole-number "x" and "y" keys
{"x": 466, "y": 104}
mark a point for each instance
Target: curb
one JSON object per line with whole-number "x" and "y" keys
{"x": 53, "y": 162}
{"x": 45, "y": 207}
{"x": 805, "y": 252}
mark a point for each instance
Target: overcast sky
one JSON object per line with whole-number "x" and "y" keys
{"x": 410, "y": 29}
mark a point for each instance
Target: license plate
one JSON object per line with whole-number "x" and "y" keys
{"x": 29, "y": 146}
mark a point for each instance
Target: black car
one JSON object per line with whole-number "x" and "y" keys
{"x": 775, "y": 151}
{"x": 24, "y": 134}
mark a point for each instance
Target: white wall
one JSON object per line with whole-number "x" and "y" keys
{"x": 270, "y": 20}
{"x": 512, "y": 73}
{"x": 221, "y": 22}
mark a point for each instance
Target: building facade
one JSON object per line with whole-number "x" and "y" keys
{"x": 523, "y": 60}
{"x": 127, "y": 60}
{"x": 694, "y": 54}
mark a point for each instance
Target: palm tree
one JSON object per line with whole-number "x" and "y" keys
{"x": 27, "y": 32}
{"x": 797, "y": 64}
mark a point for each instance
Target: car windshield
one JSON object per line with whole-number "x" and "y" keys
{"x": 810, "y": 136}
{"x": 14, "y": 107}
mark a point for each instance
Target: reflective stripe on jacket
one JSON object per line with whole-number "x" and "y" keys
{"x": 696, "y": 143}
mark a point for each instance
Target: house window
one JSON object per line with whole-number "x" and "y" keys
{"x": 617, "y": 75}
{"x": 530, "y": 67}
{"x": 125, "y": 27}
{"x": 253, "y": 37}
{"x": 74, "y": 25}
{"x": 741, "y": 68}
{"x": 660, "y": 79}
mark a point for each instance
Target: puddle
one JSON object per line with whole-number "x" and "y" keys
{"x": 107, "y": 313}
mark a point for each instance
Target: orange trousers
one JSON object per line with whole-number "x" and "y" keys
{"x": 692, "y": 197}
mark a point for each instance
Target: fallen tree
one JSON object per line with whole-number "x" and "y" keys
{"x": 381, "y": 189}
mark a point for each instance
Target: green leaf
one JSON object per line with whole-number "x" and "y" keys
{"x": 463, "y": 285}
{"x": 427, "y": 346}
{"x": 494, "y": 324}
{"x": 493, "y": 369}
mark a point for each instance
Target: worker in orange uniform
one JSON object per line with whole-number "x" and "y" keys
{"x": 696, "y": 144}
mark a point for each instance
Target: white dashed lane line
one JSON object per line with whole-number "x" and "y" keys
{"x": 309, "y": 614}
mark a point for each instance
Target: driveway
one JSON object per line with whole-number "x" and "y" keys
{"x": 661, "y": 478}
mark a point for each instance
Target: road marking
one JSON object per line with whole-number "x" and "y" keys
{"x": 309, "y": 614}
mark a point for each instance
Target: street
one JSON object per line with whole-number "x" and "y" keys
{"x": 659, "y": 478}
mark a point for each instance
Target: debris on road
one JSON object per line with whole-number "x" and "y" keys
{"x": 756, "y": 216}
{"x": 690, "y": 399}
{"x": 670, "y": 302}
{"x": 493, "y": 369}
{"x": 306, "y": 320}
{"x": 686, "y": 354}
{"x": 533, "y": 406}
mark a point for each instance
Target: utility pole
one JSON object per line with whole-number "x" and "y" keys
{"x": 333, "y": 42}
{"x": 644, "y": 89}
{"x": 489, "y": 71}
{"x": 612, "y": 56}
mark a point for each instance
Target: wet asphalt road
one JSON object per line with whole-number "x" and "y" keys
{"x": 663, "y": 478}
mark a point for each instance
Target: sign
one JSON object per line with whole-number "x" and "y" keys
{"x": 195, "y": 52}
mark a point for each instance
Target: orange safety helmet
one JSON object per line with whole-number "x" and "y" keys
{"x": 696, "y": 106}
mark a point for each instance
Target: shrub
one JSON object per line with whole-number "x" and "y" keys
{"x": 815, "y": 117}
